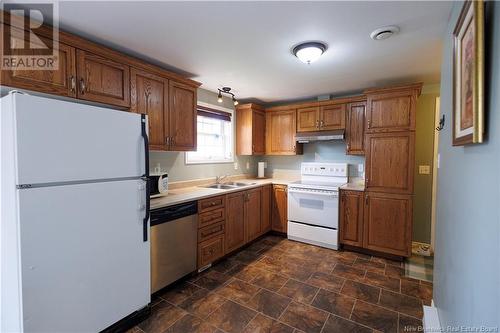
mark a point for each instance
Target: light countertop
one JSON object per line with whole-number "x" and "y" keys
{"x": 186, "y": 194}
{"x": 357, "y": 186}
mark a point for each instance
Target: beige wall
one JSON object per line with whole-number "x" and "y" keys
{"x": 424, "y": 155}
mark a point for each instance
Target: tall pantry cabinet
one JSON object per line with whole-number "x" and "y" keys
{"x": 390, "y": 159}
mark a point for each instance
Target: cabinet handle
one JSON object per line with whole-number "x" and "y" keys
{"x": 167, "y": 140}
{"x": 366, "y": 200}
{"x": 172, "y": 140}
{"x": 317, "y": 123}
{"x": 348, "y": 146}
{"x": 82, "y": 86}
{"x": 321, "y": 123}
{"x": 369, "y": 123}
{"x": 72, "y": 82}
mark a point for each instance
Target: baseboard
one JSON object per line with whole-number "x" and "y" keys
{"x": 431, "y": 319}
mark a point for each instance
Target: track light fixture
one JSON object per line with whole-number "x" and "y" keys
{"x": 226, "y": 90}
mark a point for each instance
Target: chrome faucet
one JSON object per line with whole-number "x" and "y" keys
{"x": 219, "y": 179}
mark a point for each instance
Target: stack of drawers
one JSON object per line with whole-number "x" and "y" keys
{"x": 211, "y": 220}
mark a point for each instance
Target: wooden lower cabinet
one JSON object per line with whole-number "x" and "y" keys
{"x": 253, "y": 218}
{"x": 279, "y": 208}
{"x": 351, "y": 218}
{"x": 210, "y": 250}
{"x": 235, "y": 221}
{"x": 388, "y": 223}
{"x": 265, "y": 223}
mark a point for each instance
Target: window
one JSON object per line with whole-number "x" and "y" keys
{"x": 215, "y": 137}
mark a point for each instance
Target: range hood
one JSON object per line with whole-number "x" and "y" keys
{"x": 306, "y": 137}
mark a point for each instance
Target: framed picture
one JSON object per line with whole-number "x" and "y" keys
{"x": 468, "y": 75}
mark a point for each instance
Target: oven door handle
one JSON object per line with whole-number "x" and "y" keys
{"x": 325, "y": 194}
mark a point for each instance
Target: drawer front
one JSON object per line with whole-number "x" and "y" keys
{"x": 210, "y": 250}
{"x": 209, "y": 204}
{"x": 211, "y": 217}
{"x": 210, "y": 231}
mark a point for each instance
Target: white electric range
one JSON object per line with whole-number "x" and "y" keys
{"x": 313, "y": 204}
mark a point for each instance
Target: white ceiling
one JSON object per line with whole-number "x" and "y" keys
{"x": 246, "y": 45}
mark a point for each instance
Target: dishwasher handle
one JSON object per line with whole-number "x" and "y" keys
{"x": 171, "y": 213}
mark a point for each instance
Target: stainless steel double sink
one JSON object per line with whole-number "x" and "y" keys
{"x": 228, "y": 185}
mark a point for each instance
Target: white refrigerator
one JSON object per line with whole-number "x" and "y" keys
{"x": 75, "y": 252}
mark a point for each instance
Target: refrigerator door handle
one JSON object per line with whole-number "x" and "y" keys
{"x": 145, "y": 177}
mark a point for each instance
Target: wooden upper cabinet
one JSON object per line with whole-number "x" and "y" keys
{"x": 326, "y": 117}
{"x": 182, "y": 117}
{"x": 390, "y": 162}
{"x": 60, "y": 81}
{"x": 253, "y": 211}
{"x": 102, "y": 80}
{"x": 332, "y": 117}
{"x": 149, "y": 95}
{"x": 355, "y": 128}
{"x": 279, "y": 211}
{"x": 235, "y": 221}
{"x": 388, "y": 223}
{"x": 250, "y": 130}
{"x": 308, "y": 119}
{"x": 392, "y": 109}
{"x": 351, "y": 218}
{"x": 280, "y": 133}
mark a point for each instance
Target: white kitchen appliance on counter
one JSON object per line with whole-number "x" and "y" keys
{"x": 74, "y": 215}
{"x": 313, "y": 204}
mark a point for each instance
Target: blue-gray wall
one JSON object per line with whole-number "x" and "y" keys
{"x": 467, "y": 259}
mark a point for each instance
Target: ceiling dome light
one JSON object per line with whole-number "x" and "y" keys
{"x": 309, "y": 52}
{"x": 384, "y": 32}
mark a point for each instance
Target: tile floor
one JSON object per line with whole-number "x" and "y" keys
{"x": 276, "y": 285}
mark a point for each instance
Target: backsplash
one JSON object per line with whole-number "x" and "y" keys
{"x": 174, "y": 164}
{"x": 330, "y": 151}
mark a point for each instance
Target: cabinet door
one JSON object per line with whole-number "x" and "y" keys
{"x": 149, "y": 95}
{"x": 391, "y": 112}
{"x": 102, "y": 80}
{"x": 388, "y": 223}
{"x": 258, "y": 133}
{"x": 279, "y": 208}
{"x": 182, "y": 117}
{"x": 265, "y": 224}
{"x": 253, "y": 207}
{"x": 235, "y": 221}
{"x": 61, "y": 81}
{"x": 332, "y": 117}
{"x": 280, "y": 133}
{"x": 390, "y": 162}
{"x": 351, "y": 218}
{"x": 355, "y": 128}
{"x": 308, "y": 119}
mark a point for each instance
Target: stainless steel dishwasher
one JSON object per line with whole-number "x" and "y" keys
{"x": 174, "y": 232}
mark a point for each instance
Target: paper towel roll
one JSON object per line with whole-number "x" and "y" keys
{"x": 260, "y": 170}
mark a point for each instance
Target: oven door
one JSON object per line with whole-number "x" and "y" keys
{"x": 314, "y": 207}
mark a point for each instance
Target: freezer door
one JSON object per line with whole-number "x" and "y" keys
{"x": 84, "y": 263}
{"x": 59, "y": 141}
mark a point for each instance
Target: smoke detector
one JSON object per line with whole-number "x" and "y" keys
{"x": 384, "y": 32}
